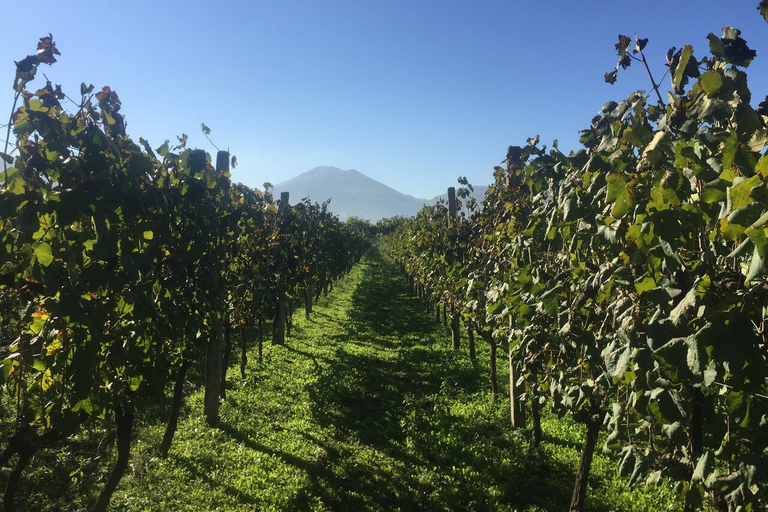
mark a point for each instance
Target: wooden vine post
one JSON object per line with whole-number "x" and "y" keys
{"x": 455, "y": 327}
{"x": 278, "y": 327}
{"x": 214, "y": 357}
{"x": 517, "y": 411}
{"x": 515, "y": 405}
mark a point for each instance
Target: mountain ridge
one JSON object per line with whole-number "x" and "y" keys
{"x": 352, "y": 194}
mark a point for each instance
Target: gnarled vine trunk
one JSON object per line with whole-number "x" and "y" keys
{"x": 243, "y": 353}
{"x": 487, "y": 336}
{"x": 455, "y": 329}
{"x": 307, "y": 301}
{"x": 21, "y": 445}
{"x": 535, "y": 423}
{"x": 471, "y": 343}
{"x": 173, "y": 416}
{"x": 594, "y": 422}
{"x": 225, "y": 359}
{"x": 517, "y": 411}
{"x": 124, "y": 422}
{"x": 278, "y": 325}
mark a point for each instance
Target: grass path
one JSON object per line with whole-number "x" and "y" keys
{"x": 355, "y": 412}
{"x": 366, "y": 407}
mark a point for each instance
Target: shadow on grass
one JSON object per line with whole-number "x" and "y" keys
{"x": 202, "y": 476}
{"x": 390, "y": 387}
{"x": 402, "y": 422}
{"x": 355, "y": 488}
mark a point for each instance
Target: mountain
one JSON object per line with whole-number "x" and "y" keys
{"x": 352, "y": 193}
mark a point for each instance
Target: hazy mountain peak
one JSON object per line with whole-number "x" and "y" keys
{"x": 352, "y": 194}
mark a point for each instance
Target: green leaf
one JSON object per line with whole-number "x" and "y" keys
{"x": 734, "y": 226}
{"x": 730, "y": 147}
{"x": 612, "y": 442}
{"x": 757, "y": 266}
{"x": 758, "y": 237}
{"x": 763, "y": 8}
{"x": 642, "y": 463}
{"x": 664, "y": 406}
{"x": 638, "y": 135}
{"x": 731, "y": 47}
{"x": 43, "y": 253}
{"x": 711, "y": 81}
{"x": 210, "y": 180}
{"x": 627, "y": 464}
{"x": 735, "y": 401}
{"x": 616, "y": 357}
{"x": 163, "y": 150}
{"x": 136, "y": 382}
{"x": 653, "y": 479}
{"x": 645, "y": 284}
{"x": 714, "y": 192}
{"x": 695, "y": 355}
{"x": 84, "y": 405}
{"x": 674, "y": 431}
{"x": 682, "y": 64}
{"x": 710, "y": 374}
{"x": 741, "y": 192}
{"x": 617, "y": 185}
{"x": 704, "y": 467}
{"x": 617, "y": 193}
{"x": 741, "y": 249}
{"x": 684, "y": 306}
{"x": 694, "y": 497}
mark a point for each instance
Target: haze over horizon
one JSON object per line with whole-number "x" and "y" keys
{"x": 413, "y": 94}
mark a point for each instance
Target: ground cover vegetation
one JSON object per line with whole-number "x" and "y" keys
{"x": 365, "y": 407}
{"x": 627, "y": 281}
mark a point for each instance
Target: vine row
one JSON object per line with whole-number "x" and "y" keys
{"x": 121, "y": 266}
{"x": 628, "y": 280}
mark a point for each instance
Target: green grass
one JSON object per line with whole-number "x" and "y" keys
{"x": 366, "y": 407}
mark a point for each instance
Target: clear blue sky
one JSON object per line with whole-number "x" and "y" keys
{"x": 412, "y": 93}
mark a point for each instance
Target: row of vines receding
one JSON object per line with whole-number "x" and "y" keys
{"x": 122, "y": 266}
{"x": 629, "y": 280}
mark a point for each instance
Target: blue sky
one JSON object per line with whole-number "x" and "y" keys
{"x": 412, "y": 93}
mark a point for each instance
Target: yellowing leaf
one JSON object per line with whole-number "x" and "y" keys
{"x": 47, "y": 380}
{"x": 762, "y": 166}
{"x": 53, "y": 347}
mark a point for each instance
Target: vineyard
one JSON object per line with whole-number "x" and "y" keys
{"x": 624, "y": 285}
